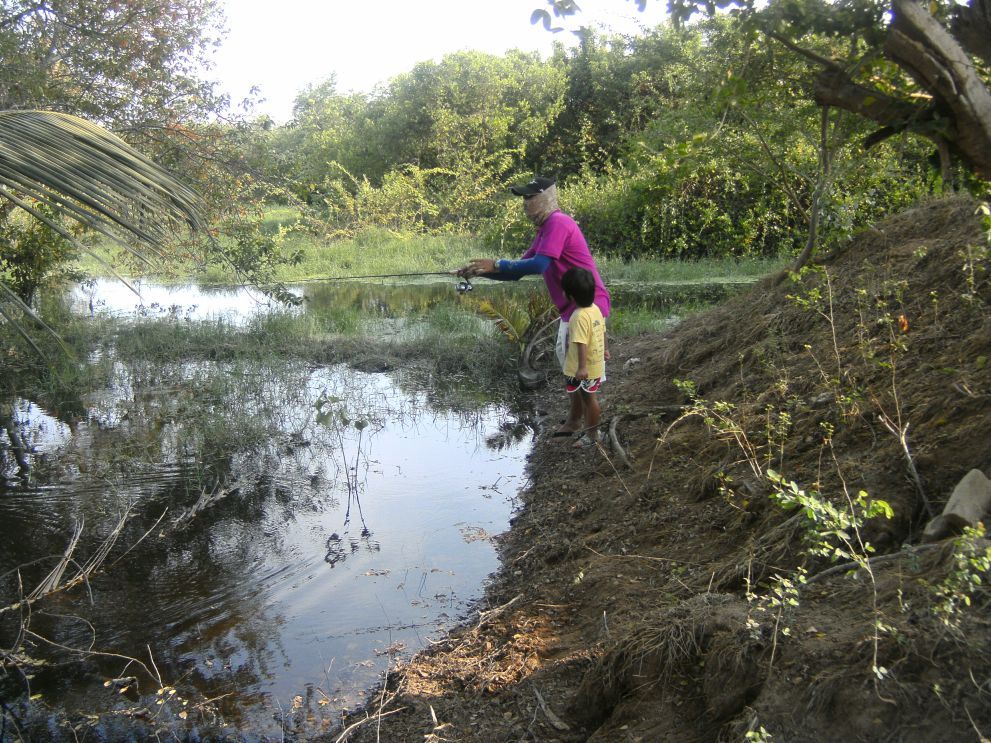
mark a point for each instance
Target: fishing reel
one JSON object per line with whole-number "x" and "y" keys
{"x": 464, "y": 286}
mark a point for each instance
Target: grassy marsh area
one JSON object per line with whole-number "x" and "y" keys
{"x": 380, "y": 251}
{"x": 385, "y": 323}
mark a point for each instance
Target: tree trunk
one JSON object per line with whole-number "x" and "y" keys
{"x": 971, "y": 25}
{"x": 920, "y": 45}
{"x": 958, "y": 116}
{"x": 822, "y": 185}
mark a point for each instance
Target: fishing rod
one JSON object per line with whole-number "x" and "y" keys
{"x": 462, "y": 286}
{"x": 373, "y": 276}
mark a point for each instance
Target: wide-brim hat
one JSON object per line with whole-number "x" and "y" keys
{"x": 535, "y": 186}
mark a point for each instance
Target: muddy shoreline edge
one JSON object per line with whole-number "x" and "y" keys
{"x": 632, "y": 603}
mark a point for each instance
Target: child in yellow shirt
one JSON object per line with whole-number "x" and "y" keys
{"x": 585, "y": 361}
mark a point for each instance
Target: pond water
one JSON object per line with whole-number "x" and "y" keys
{"x": 390, "y": 300}
{"x": 181, "y": 301}
{"x": 274, "y": 535}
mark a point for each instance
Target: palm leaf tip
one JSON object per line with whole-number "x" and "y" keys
{"x": 89, "y": 174}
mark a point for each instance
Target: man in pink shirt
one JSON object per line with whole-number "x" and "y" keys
{"x": 558, "y": 246}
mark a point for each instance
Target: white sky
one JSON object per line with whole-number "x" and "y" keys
{"x": 283, "y": 45}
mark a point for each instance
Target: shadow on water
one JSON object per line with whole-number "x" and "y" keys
{"x": 243, "y": 547}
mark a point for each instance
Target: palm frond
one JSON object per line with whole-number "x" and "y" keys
{"x": 84, "y": 172}
{"x": 10, "y": 299}
{"x": 515, "y": 319}
{"x": 503, "y": 317}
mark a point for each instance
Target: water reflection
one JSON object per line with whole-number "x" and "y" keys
{"x": 374, "y": 299}
{"x": 188, "y": 302}
{"x": 284, "y": 529}
{"x": 385, "y": 301}
{"x": 292, "y": 524}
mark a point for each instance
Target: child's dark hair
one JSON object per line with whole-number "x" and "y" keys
{"x": 579, "y": 284}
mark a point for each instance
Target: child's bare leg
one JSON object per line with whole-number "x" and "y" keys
{"x": 576, "y": 412}
{"x": 593, "y": 412}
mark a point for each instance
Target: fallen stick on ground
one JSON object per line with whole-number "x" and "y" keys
{"x": 554, "y": 720}
{"x": 350, "y": 728}
{"x": 846, "y": 566}
{"x": 614, "y": 442}
{"x": 484, "y": 616}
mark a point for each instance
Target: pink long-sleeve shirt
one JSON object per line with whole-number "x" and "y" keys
{"x": 561, "y": 240}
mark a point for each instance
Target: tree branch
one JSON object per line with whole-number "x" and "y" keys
{"x": 829, "y": 64}
{"x": 971, "y": 26}
{"x": 783, "y": 173}
{"x": 834, "y": 87}
{"x": 822, "y": 184}
{"x": 920, "y": 45}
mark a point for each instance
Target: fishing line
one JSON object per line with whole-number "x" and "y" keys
{"x": 324, "y": 278}
{"x": 462, "y": 286}
{"x": 371, "y": 276}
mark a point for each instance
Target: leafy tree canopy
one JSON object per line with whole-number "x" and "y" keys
{"x": 449, "y": 116}
{"x": 906, "y": 66}
{"x": 135, "y": 67}
{"x": 122, "y": 63}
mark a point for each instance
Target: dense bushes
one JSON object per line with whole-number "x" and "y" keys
{"x": 711, "y": 213}
{"x": 679, "y": 144}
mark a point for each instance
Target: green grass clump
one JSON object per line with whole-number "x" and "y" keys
{"x": 709, "y": 270}
{"x": 277, "y": 217}
{"x": 377, "y": 251}
{"x": 272, "y": 335}
{"x": 632, "y": 321}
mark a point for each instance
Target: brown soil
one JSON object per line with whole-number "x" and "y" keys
{"x": 634, "y": 602}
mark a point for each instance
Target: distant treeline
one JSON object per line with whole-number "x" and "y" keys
{"x": 691, "y": 143}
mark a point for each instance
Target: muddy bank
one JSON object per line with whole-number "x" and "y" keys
{"x": 664, "y": 601}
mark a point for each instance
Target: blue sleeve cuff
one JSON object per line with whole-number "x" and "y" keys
{"x": 512, "y": 270}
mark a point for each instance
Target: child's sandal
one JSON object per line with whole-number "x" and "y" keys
{"x": 587, "y": 440}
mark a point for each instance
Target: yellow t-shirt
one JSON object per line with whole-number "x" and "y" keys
{"x": 586, "y": 326}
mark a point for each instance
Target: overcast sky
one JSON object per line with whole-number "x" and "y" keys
{"x": 283, "y": 45}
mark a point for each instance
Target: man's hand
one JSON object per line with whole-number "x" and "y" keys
{"x": 478, "y": 266}
{"x": 582, "y": 372}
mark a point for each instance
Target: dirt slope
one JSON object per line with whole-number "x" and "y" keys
{"x": 638, "y": 603}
